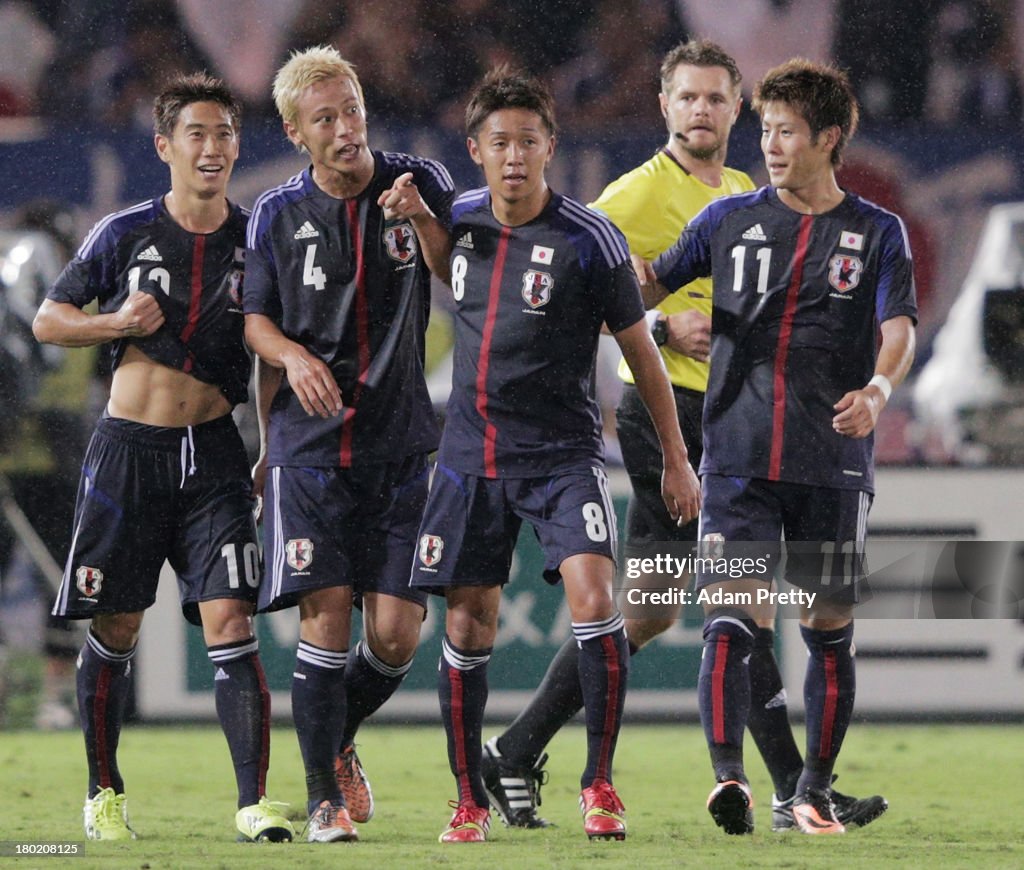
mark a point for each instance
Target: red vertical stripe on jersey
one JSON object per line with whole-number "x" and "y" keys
{"x": 99, "y": 721}
{"x": 614, "y": 670}
{"x": 195, "y": 295}
{"x": 362, "y": 336}
{"x": 494, "y": 294}
{"x": 718, "y": 689}
{"x": 828, "y": 716}
{"x": 782, "y": 349}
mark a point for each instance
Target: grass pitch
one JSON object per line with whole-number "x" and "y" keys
{"x": 954, "y": 793}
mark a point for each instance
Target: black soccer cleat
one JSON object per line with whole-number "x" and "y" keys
{"x": 732, "y": 807}
{"x": 858, "y": 812}
{"x": 514, "y": 791}
{"x": 851, "y": 812}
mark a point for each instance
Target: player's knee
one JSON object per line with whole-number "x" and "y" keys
{"x": 397, "y": 649}
{"x": 117, "y": 631}
{"x": 731, "y": 625}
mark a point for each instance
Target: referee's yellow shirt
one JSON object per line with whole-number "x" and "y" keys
{"x": 652, "y": 204}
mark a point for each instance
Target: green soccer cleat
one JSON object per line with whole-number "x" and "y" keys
{"x": 106, "y": 816}
{"x": 264, "y": 822}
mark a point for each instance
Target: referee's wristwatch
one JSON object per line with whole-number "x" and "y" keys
{"x": 659, "y": 332}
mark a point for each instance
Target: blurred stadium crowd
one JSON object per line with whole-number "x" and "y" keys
{"x": 98, "y": 61}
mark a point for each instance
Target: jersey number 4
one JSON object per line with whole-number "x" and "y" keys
{"x": 764, "y": 261}
{"x": 312, "y": 274}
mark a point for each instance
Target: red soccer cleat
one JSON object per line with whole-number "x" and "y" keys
{"x": 470, "y": 824}
{"x": 604, "y": 817}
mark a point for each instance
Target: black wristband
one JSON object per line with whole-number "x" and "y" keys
{"x": 659, "y": 332}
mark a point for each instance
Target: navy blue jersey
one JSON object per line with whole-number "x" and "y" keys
{"x": 530, "y": 301}
{"x": 196, "y": 277}
{"x": 351, "y": 288}
{"x": 797, "y": 303}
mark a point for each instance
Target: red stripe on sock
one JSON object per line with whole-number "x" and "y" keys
{"x": 99, "y": 719}
{"x": 828, "y": 716}
{"x": 459, "y": 735}
{"x": 265, "y": 730}
{"x": 614, "y": 671}
{"x": 718, "y": 689}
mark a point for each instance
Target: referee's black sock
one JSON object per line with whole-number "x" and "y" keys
{"x": 769, "y": 716}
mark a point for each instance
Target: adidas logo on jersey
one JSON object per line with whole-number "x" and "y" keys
{"x": 465, "y": 241}
{"x": 306, "y": 231}
{"x": 151, "y": 253}
{"x": 755, "y": 234}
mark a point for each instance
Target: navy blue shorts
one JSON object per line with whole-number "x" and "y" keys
{"x": 471, "y": 525}
{"x": 149, "y": 493}
{"x": 824, "y": 529}
{"x": 326, "y": 527}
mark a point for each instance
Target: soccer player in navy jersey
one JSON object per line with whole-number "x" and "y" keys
{"x": 804, "y": 274}
{"x": 336, "y": 304}
{"x": 651, "y": 204}
{"x": 534, "y": 275}
{"x": 166, "y": 475}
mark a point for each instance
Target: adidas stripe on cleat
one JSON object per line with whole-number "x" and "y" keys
{"x": 604, "y": 817}
{"x": 106, "y": 816}
{"x": 851, "y": 812}
{"x": 354, "y": 785}
{"x": 513, "y": 790}
{"x": 469, "y": 824}
{"x": 732, "y": 807}
{"x": 330, "y": 824}
{"x": 813, "y": 813}
{"x": 264, "y": 822}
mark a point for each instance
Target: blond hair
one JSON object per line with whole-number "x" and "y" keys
{"x": 305, "y": 68}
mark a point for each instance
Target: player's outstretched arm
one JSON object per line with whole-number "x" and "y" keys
{"x": 67, "y": 325}
{"x": 858, "y": 411}
{"x": 308, "y": 375}
{"x": 403, "y": 200}
{"x": 652, "y": 291}
{"x": 680, "y": 488}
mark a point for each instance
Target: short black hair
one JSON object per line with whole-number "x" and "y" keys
{"x": 820, "y": 93}
{"x": 182, "y": 90}
{"x": 507, "y": 88}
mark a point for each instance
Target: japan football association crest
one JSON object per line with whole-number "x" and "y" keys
{"x": 401, "y": 242}
{"x": 431, "y": 547}
{"x": 235, "y": 286}
{"x": 89, "y": 581}
{"x": 299, "y": 553}
{"x": 537, "y": 288}
{"x": 844, "y": 272}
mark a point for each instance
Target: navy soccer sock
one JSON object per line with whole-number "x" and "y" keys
{"x": 369, "y": 682}
{"x": 829, "y": 690}
{"x": 318, "y": 708}
{"x": 769, "y": 717}
{"x": 243, "y": 708}
{"x": 558, "y": 698}
{"x": 462, "y": 690}
{"x": 603, "y": 671}
{"x": 723, "y": 690}
{"x": 103, "y": 682}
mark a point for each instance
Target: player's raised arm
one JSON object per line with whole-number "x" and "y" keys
{"x": 67, "y": 325}
{"x": 403, "y": 200}
{"x": 858, "y": 410}
{"x": 680, "y": 487}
